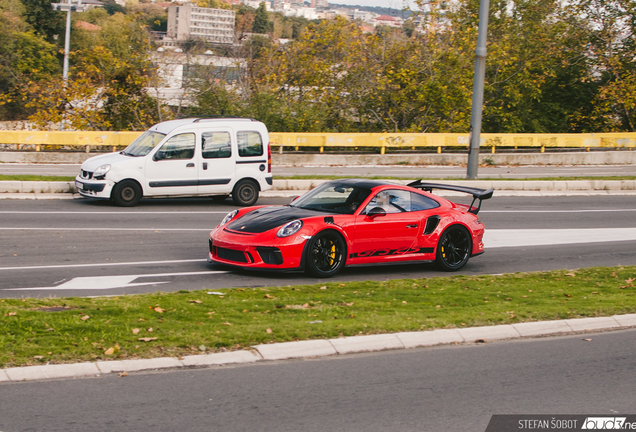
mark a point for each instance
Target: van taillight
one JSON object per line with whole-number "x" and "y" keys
{"x": 269, "y": 157}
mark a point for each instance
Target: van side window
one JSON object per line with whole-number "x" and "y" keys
{"x": 249, "y": 144}
{"x": 216, "y": 145}
{"x": 178, "y": 147}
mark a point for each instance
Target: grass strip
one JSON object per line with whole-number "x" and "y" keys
{"x": 26, "y": 177}
{"x": 30, "y": 177}
{"x": 39, "y": 331}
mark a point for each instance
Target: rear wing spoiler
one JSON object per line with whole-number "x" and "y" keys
{"x": 478, "y": 194}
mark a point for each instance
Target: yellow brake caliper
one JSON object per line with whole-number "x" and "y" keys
{"x": 332, "y": 253}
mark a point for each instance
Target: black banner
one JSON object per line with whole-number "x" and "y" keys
{"x": 552, "y": 423}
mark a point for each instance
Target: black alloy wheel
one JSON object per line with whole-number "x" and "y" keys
{"x": 127, "y": 193}
{"x": 245, "y": 193}
{"x": 454, "y": 248}
{"x": 325, "y": 254}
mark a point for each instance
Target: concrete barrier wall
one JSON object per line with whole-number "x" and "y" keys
{"x": 423, "y": 159}
{"x": 86, "y": 140}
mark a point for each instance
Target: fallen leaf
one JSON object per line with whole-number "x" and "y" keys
{"x": 570, "y": 274}
{"x": 135, "y": 330}
{"x": 347, "y": 304}
{"x": 306, "y": 305}
{"x": 629, "y": 281}
{"x": 567, "y": 295}
{"x": 123, "y": 374}
{"x": 159, "y": 310}
{"x": 38, "y": 357}
{"x": 195, "y": 301}
{"x": 13, "y": 313}
{"x": 587, "y": 340}
{"x": 438, "y": 306}
{"x": 269, "y": 330}
{"x": 227, "y": 323}
{"x": 147, "y": 339}
{"x": 323, "y": 287}
{"x": 110, "y": 351}
{"x": 404, "y": 302}
{"x": 141, "y": 319}
{"x": 149, "y": 330}
{"x": 85, "y": 317}
{"x": 269, "y": 296}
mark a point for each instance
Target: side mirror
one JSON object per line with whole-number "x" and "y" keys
{"x": 375, "y": 212}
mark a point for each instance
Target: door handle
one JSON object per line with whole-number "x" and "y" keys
{"x": 190, "y": 165}
{"x": 205, "y": 165}
{"x": 412, "y": 226}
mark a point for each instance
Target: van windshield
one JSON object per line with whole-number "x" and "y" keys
{"x": 143, "y": 144}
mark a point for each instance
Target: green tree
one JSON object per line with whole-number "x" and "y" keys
{"x": 261, "y": 20}
{"x": 44, "y": 20}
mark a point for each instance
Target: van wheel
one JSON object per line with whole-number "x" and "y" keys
{"x": 127, "y": 193}
{"x": 245, "y": 193}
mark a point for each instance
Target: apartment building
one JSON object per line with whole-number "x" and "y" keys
{"x": 188, "y": 21}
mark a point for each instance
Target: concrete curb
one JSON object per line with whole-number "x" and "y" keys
{"x": 292, "y": 188}
{"x": 326, "y": 347}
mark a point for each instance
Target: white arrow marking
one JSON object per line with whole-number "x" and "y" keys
{"x": 110, "y": 282}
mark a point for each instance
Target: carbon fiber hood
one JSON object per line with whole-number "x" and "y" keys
{"x": 267, "y": 218}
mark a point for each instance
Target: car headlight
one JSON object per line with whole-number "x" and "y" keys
{"x": 290, "y": 228}
{"x": 101, "y": 171}
{"x": 228, "y": 217}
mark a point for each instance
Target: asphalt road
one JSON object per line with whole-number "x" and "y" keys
{"x": 82, "y": 248}
{"x": 391, "y": 171}
{"x": 442, "y": 389}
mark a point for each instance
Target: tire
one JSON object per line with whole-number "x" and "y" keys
{"x": 454, "y": 248}
{"x": 245, "y": 193}
{"x": 325, "y": 254}
{"x": 219, "y": 198}
{"x": 127, "y": 193}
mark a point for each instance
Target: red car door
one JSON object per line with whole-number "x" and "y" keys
{"x": 390, "y": 235}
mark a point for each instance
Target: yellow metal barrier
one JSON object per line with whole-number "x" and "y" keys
{"x": 87, "y": 140}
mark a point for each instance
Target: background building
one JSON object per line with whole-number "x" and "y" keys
{"x": 188, "y": 21}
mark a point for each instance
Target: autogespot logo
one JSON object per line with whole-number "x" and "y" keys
{"x": 605, "y": 423}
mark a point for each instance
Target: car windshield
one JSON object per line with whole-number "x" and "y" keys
{"x": 333, "y": 198}
{"x": 144, "y": 144}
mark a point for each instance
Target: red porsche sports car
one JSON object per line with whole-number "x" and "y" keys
{"x": 353, "y": 222}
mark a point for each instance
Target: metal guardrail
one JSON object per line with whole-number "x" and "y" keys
{"x": 87, "y": 140}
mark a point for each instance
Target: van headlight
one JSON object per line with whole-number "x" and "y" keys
{"x": 290, "y": 228}
{"x": 101, "y": 171}
{"x": 231, "y": 215}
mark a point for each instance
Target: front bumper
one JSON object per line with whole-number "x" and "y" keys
{"x": 100, "y": 189}
{"x": 253, "y": 252}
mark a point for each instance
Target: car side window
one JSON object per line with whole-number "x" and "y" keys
{"x": 391, "y": 201}
{"x": 216, "y": 145}
{"x": 250, "y": 143}
{"x": 178, "y": 147}
{"x": 420, "y": 202}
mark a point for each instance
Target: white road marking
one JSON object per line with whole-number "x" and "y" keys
{"x": 114, "y": 212}
{"x": 106, "y": 229}
{"x": 497, "y": 238}
{"x": 110, "y": 282}
{"x": 559, "y": 211}
{"x": 42, "y": 267}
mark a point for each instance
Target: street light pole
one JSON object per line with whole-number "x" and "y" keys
{"x": 67, "y": 42}
{"x": 478, "y": 91}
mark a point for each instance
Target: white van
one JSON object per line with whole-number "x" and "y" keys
{"x": 187, "y": 157}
